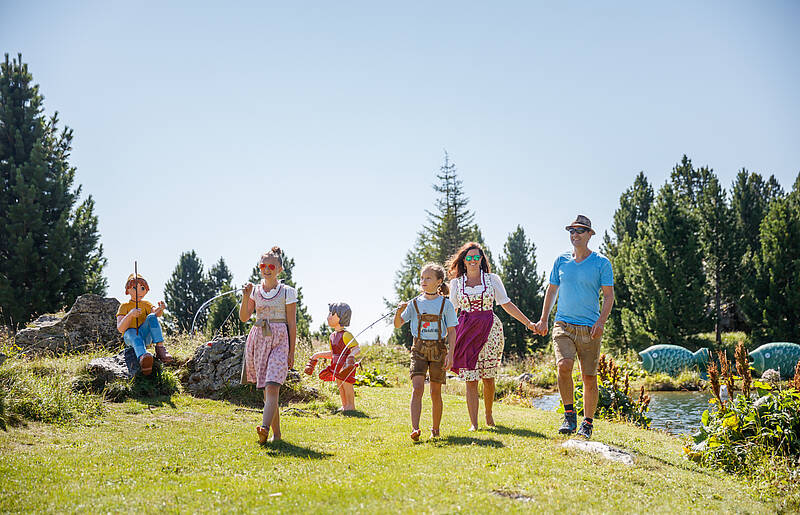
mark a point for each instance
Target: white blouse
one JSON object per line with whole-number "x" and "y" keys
{"x": 291, "y": 293}
{"x": 500, "y": 295}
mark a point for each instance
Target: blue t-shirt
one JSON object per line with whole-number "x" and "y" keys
{"x": 432, "y": 307}
{"x": 579, "y": 287}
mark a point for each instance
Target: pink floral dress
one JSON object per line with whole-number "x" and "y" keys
{"x": 266, "y": 353}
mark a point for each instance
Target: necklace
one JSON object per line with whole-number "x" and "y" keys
{"x": 264, "y": 296}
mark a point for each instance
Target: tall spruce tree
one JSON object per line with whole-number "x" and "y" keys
{"x": 49, "y": 246}
{"x": 773, "y": 294}
{"x": 185, "y": 291}
{"x": 665, "y": 271}
{"x": 221, "y": 317}
{"x": 448, "y": 227}
{"x": 751, "y": 196}
{"x": 524, "y": 286}
{"x": 634, "y": 207}
{"x": 715, "y": 230}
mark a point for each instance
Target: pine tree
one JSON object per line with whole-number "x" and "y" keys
{"x": 634, "y": 207}
{"x": 219, "y": 276}
{"x": 665, "y": 271}
{"x": 49, "y": 247}
{"x": 773, "y": 295}
{"x": 715, "y": 231}
{"x": 525, "y": 286}
{"x": 223, "y": 315}
{"x": 446, "y": 229}
{"x": 185, "y": 291}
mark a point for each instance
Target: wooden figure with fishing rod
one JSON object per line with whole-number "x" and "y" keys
{"x": 343, "y": 351}
{"x": 269, "y": 351}
{"x": 137, "y": 320}
{"x": 433, "y": 319}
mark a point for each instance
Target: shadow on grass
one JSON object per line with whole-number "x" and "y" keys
{"x": 284, "y": 448}
{"x": 353, "y": 413}
{"x": 516, "y": 431}
{"x": 468, "y": 440}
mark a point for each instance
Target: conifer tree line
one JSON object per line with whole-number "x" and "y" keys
{"x": 50, "y": 251}
{"x": 450, "y": 225}
{"x": 695, "y": 257}
{"x": 189, "y": 286}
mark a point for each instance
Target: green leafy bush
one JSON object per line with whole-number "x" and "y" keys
{"x": 371, "y": 377}
{"x": 614, "y": 402}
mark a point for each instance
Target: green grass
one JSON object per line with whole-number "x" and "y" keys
{"x": 200, "y": 455}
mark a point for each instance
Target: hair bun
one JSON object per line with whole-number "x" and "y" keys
{"x": 277, "y": 250}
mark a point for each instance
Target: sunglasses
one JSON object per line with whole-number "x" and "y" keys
{"x": 579, "y": 230}
{"x": 264, "y": 266}
{"x": 476, "y": 257}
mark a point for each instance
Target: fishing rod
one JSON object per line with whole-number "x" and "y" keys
{"x": 136, "y": 290}
{"x": 209, "y": 301}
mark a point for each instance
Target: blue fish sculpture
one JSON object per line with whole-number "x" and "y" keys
{"x": 780, "y": 356}
{"x": 673, "y": 359}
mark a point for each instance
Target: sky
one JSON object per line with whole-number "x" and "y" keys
{"x": 320, "y": 126}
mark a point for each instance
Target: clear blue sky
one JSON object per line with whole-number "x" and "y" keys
{"x": 319, "y": 126}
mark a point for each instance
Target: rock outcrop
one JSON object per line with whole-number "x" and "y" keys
{"x": 90, "y": 324}
{"x": 112, "y": 368}
{"x": 215, "y": 366}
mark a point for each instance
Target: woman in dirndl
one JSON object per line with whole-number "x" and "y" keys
{"x": 474, "y": 291}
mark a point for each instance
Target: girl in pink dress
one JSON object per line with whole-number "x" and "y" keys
{"x": 479, "y": 334}
{"x": 269, "y": 351}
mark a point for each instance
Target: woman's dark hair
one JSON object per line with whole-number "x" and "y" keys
{"x": 455, "y": 263}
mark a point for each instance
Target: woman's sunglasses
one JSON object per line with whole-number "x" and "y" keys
{"x": 264, "y": 266}
{"x": 579, "y": 230}
{"x": 476, "y": 257}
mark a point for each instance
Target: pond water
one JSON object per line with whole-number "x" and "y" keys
{"x": 675, "y": 412}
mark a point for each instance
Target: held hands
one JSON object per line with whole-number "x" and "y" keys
{"x": 540, "y": 327}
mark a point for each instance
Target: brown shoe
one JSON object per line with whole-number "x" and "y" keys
{"x": 162, "y": 354}
{"x": 146, "y": 362}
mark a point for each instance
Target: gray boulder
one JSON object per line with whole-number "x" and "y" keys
{"x": 90, "y": 324}
{"x": 215, "y": 366}
{"x": 111, "y": 368}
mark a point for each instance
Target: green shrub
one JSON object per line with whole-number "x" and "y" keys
{"x": 371, "y": 377}
{"x": 613, "y": 402}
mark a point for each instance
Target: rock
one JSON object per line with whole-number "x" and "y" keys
{"x": 525, "y": 377}
{"x": 2, "y": 358}
{"x": 771, "y": 376}
{"x": 90, "y": 324}
{"x": 122, "y": 366}
{"x": 604, "y": 450}
{"x": 215, "y": 367}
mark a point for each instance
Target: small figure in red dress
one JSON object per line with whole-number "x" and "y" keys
{"x": 344, "y": 349}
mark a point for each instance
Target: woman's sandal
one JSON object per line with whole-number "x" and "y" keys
{"x": 434, "y": 433}
{"x": 415, "y": 434}
{"x": 263, "y": 434}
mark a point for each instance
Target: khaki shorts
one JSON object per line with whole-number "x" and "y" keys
{"x": 570, "y": 340}
{"x": 427, "y": 357}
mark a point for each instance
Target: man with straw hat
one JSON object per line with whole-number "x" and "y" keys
{"x": 576, "y": 279}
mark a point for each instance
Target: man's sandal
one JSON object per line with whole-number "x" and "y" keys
{"x": 434, "y": 433}
{"x": 415, "y": 434}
